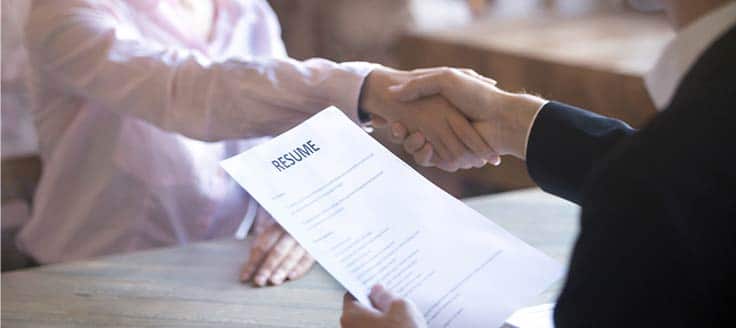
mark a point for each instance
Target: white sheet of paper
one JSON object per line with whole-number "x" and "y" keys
{"x": 538, "y": 316}
{"x": 367, "y": 218}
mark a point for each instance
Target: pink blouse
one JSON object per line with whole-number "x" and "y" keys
{"x": 133, "y": 117}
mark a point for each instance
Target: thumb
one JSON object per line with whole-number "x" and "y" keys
{"x": 378, "y": 121}
{"x": 355, "y": 314}
{"x": 381, "y": 298}
{"x": 417, "y": 87}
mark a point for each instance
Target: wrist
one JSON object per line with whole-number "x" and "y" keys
{"x": 371, "y": 99}
{"x": 367, "y": 97}
{"x": 520, "y": 111}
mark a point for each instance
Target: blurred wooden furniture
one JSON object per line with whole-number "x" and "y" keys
{"x": 343, "y": 30}
{"x": 196, "y": 285}
{"x": 591, "y": 60}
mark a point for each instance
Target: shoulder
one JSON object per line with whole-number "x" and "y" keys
{"x": 47, "y": 16}
{"x": 710, "y": 83}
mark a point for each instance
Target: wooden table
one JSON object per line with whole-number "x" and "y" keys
{"x": 196, "y": 285}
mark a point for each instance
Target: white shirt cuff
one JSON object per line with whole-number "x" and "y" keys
{"x": 529, "y": 131}
{"x": 348, "y": 98}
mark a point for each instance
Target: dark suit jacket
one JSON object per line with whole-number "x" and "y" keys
{"x": 657, "y": 246}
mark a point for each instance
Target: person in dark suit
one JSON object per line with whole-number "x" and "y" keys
{"x": 657, "y": 246}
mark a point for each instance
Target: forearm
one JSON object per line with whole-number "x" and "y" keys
{"x": 82, "y": 52}
{"x": 518, "y": 121}
{"x": 564, "y": 145}
{"x": 560, "y": 143}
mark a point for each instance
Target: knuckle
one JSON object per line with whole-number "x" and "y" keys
{"x": 287, "y": 265}
{"x": 453, "y": 73}
{"x": 412, "y": 146}
{"x": 258, "y": 249}
{"x": 276, "y": 254}
{"x": 282, "y": 247}
{"x": 457, "y": 155}
{"x": 447, "y": 73}
{"x": 269, "y": 265}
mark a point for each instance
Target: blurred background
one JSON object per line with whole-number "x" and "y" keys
{"x": 567, "y": 50}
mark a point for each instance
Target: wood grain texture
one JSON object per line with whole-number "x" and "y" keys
{"x": 196, "y": 285}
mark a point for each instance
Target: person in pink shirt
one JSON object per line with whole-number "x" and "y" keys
{"x": 137, "y": 101}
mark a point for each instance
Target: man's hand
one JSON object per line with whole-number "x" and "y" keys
{"x": 503, "y": 119}
{"x": 275, "y": 257}
{"x": 389, "y": 312}
{"x": 452, "y": 137}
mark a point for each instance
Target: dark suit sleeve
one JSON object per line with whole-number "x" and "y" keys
{"x": 564, "y": 144}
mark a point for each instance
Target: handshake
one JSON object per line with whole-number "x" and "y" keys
{"x": 450, "y": 118}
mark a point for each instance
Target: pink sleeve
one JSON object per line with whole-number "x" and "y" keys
{"x": 84, "y": 49}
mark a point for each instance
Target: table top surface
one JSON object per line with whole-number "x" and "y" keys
{"x": 197, "y": 286}
{"x": 627, "y": 43}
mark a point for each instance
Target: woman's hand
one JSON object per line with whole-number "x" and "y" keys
{"x": 275, "y": 257}
{"x": 389, "y": 311}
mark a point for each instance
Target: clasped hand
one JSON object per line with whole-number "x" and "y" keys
{"x": 454, "y": 142}
{"x": 450, "y": 118}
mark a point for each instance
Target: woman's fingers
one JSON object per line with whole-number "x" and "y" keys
{"x": 414, "y": 142}
{"x": 287, "y": 265}
{"x": 419, "y": 87}
{"x": 378, "y": 121}
{"x": 398, "y": 133}
{"x": 460, "y": 156}
{"x": 302, "y": 267}
{"x": 475, "y": 74}
{"x": 259, "y": 249}
{"x": 275, "y": 256}
{"x": 468, "y": 71}
{"x": 444, "y": 153}
{"x": 425, "y": 155}
{"x": 470, "y": 137}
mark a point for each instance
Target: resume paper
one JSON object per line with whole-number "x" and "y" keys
{"x": 368, "y": 218}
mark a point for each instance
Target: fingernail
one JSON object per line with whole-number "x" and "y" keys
{"x": 376, "y": 289}
{"x": 394, "y": 88}
{"x": 260, "y": 280}
{"x": 496, "y": 161}
{"x": 292, "y": 275}
{"x": 278, "y": 278}
{"x": 245, "y": 275}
